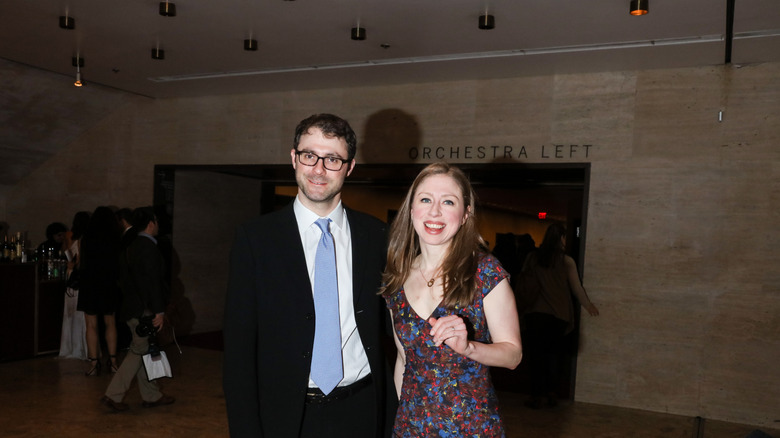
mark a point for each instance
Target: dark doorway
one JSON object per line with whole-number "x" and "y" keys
{"x": 511, "y": 198}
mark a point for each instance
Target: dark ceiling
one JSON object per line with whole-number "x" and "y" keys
{"x": 305, "y": 44}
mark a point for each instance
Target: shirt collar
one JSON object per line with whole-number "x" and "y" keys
{"x": 149, "y": 236}
{"x": 306, "y": 217}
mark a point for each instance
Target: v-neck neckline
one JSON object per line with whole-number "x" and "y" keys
{"x": 417, "y": 314}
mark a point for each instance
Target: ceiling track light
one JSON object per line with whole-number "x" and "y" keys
{"x": 487, "y": 22}
{"x": 158, "y": 53}
{"x": 67, "y": 22}
{"x": 250, "y": 45}
{"x": 358, "y": 33}
{"x": 639, "y": 7}
{"x": 167, "y": 9}
{"x": 78, "y": 62}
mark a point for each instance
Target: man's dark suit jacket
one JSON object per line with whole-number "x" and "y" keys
{"x": 269, "y": 323}
{"x": 142, "y": 279}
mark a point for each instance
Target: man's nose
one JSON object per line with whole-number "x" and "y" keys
{"x": 319, "y": 166}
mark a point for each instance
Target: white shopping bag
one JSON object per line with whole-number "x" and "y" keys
{"x": 157, "y": 367}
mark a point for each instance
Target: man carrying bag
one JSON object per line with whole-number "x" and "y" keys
{"x": 145, "y": 296}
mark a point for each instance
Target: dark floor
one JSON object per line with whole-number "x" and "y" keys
{"x": 51, "y": 397}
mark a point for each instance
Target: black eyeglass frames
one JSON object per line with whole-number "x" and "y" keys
{"x": 330, "y": 163}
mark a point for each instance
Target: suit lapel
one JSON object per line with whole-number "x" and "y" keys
{"x": 359, "y": 251}
{"x": 292, "y": 261}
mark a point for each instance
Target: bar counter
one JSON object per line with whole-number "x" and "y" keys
{"x": 31, "y": 319}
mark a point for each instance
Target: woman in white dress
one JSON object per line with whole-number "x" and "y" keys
{"x": 73, "y": 343}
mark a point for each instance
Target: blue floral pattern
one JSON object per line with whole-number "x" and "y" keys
{"x": 445, "y": 394}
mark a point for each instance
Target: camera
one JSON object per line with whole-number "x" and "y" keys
{"x": 146, "y": 329}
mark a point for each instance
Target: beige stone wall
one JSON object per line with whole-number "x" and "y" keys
{"x": 681, "y": 253}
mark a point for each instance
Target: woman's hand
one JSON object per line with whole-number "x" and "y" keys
{"x": 592, "y": 309}
{"x": 451, "y": 331}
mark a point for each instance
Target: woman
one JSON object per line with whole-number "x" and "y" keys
{"x": 73, "y": 342}
{"x": 453, "y": 312}
{"x": 551, "y": 316}
{"x": 99, "y": 292}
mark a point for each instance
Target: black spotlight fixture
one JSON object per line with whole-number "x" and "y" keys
{"x": 250, "y": 45}
{"x": 487, "y": 22}
{"x": 158, "y": 53}
{"x": 167, "y": 9}
{"x": 67, "y": 22}
{"x": 639, "y": 7}
{"x": 358, "y": 33}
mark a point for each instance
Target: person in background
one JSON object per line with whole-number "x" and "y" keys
{"x": 551, "y": 316}
{"x": 145, "y": 294}
{"x": 275, "y": 319}
{"x": 453, "y": 312}
{"x": 99, "y": 289}
{"x": 124, "y": 217}
{"x": 55, "y": 239}
{"x": 73, "y": 340}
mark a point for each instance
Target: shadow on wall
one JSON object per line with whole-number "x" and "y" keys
{"x": 389, "y": 135}
{"x": 179, "y": 312}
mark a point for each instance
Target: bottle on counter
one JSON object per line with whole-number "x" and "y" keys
{"x": 5, "y": 250}
{"x": 20, "y": 243}
{"x": 2, "y": 248}
{"x": 11, "y": 249}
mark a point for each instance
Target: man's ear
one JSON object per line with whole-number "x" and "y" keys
{"x": 351, "y": 166}
{"x": 292, "y": 156}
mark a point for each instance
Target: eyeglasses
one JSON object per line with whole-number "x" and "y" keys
{"x": 330, "y": 163}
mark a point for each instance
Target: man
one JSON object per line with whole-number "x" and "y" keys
{"x": 124, "y": 216}
{"x": 144, "y": 293}
{"x": 271, "y": 312}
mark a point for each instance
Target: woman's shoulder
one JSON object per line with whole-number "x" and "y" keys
{"x": 489, "y": 265}
{"x": 393, "y": 300}
{"x": 488, "y": 259}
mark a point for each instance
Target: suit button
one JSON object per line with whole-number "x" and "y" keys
{"x": 309, "y": 316}
{"x": 306, "y": 354}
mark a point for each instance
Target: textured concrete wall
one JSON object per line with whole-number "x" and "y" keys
{"x": 681, "y": 251}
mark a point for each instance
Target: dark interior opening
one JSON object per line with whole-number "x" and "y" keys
{"x": 517, "y": 190}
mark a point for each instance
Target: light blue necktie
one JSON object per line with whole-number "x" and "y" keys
{"x": 326, "y": 364}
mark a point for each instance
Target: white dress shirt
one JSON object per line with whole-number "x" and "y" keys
{"x": 354, "y": 356}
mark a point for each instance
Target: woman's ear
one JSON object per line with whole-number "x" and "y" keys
{"x": 466, "y": 216}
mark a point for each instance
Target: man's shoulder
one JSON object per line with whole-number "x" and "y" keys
{"x": 282, "y": 215}
{"x": 268, "y": 226}
{"x": 142, "y": 244}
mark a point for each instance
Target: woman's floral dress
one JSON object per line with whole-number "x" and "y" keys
{"x": 445, "y": 394}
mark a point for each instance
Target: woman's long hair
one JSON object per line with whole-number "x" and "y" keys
{"x": 551, "y": 250}
{"x": 80, "y": 223}
{"x": 460, "y": 264}
{"x": 101, "y": 237}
